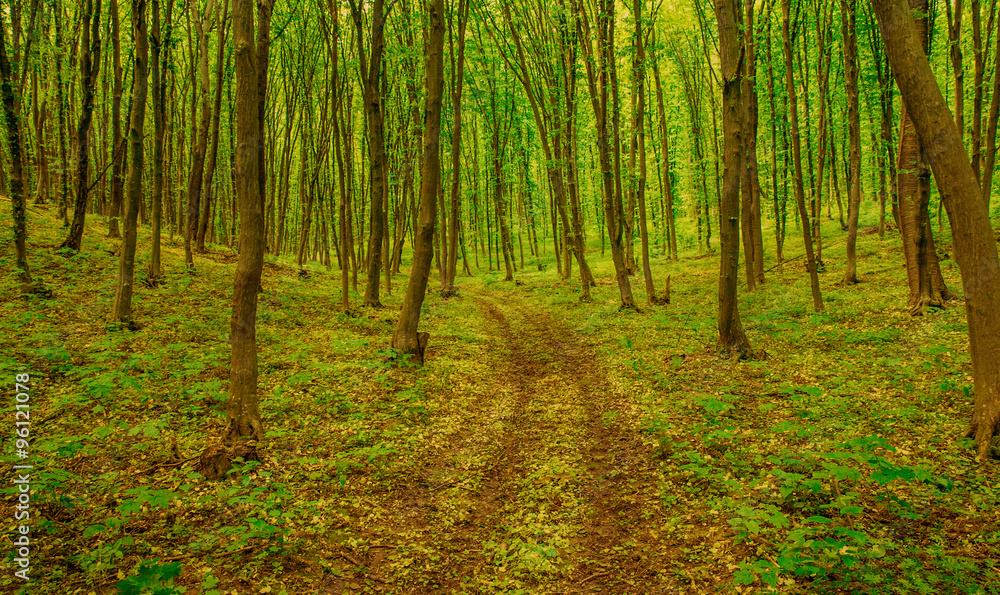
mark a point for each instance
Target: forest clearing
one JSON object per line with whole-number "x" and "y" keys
{"x": 316, "y": 320}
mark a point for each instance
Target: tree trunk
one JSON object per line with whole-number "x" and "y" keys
{"x": 11, "y": 116}
{"x": 975, "y": 246}
{"x": 405, "y": 339}
{"x": 242, "y": 414}
{"x": 797, "y": 155}
{"x": 728, "y": 14}
{"x": 372, "y": 98}
{"x": 753, "y": 246}
{"x": 847, "y": 21}
{"x": 117, "y": 143}
{"x": 161, "y": 63}
{"x": 456, "y": 142}
{"x": 597, "y": 83}
{"x": 122, "y": 310}
{"x": 90, "y": 65}
{"x": 639, "y": 139}
{"x": 210, "y": 165}
{"x": 913, "y": 185}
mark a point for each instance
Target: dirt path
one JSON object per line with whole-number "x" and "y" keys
{"x": 545, "y": 486}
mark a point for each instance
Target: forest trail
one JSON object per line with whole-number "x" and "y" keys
{"x": 545, "y": 485}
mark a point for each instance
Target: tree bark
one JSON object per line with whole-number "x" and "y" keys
{"x": 598, "y": 84}
{"x": 639, "y": 142}
{"x": 122, "y": 310}
{"x": 196, "y": 176}
{"x": 728, "y": 15}
{"x": 11, "y": 117}
{"x": 975, "y": 246}
{"x": 456, "y": 143}
{"x": 848, "y": 25}
{"x": 90, "y": 65}
{"x": 117, "y": 142}
{"x": 371, "y": 66}
{"x": 210, "y": 165}
{"x": 242, "y": 414}
{"x": 405, "y": 339}
{"x": 797, "y": 155}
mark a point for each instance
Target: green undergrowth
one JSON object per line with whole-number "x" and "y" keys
{"x": 833, "y": 462}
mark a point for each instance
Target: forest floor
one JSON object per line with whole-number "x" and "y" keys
{"x": 547, "y": 446}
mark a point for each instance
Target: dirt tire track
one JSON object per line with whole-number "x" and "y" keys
{"x": 625, "y": 476}
{"x": 624, "y": 470}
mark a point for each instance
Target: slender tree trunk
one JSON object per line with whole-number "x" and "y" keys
{"x": 11, "y": 116}
{"x": 90, "y": 64}
{"x": 847, "y": 21}
{"x": 122, "y": 310}
{"x": 161, "y": 62}
{"x": 196, "y": 176}
{"x": 117, "y": 144}
{"x": 405, "y": 338}
{"x": 456, "y": 141}
{"x": 597, "y": 83}
{"x": 372, "y": 96}
{"x": 210, "y": 165}
{"x": 639, "y": 139}
{"x": 797, "y": 155}
{"x": 753, "y": 247}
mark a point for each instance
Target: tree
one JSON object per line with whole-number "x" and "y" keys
{"x": 598, "y": 80}
{"x": 847, "y": 11}
{"x": 17, "y": 166}
{"x": 242, "y": 414}
{"x": 800, "y": 198}
{"x": 117, "y": 142}
{"x": 753, "y": 239}
{"x": 90, "y": 66}
{"x": 372, "y": 92}
{"x": 196, "y": 176}
{"x": 974, "y": 244}
{"x": 122, "y": 310}
{"x": 405, "y": 339}
{"x": 161, "y": 66}
{"x": 731, "y": 335}
{"x": 458, "y": 71}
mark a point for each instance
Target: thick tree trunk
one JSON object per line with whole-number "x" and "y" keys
{"x": 728, "y": 14}
{"x": 122, "y": 310}
{"x": 242, "y": 414}
{"x": 913, "y": 175}
{"x": 975, "y": 246}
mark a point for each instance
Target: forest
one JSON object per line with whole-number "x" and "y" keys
{"x": 464, "y": 296}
